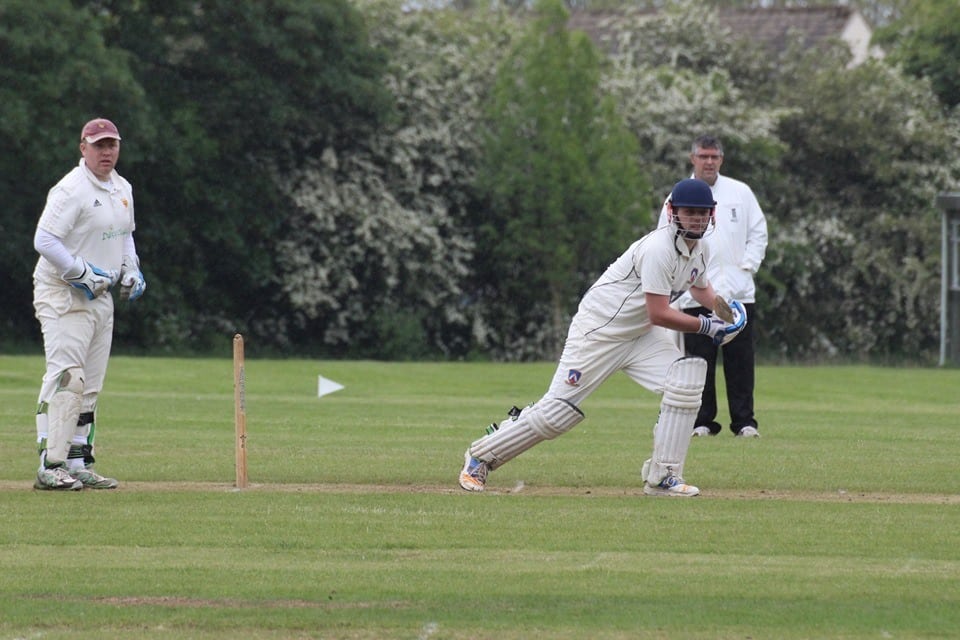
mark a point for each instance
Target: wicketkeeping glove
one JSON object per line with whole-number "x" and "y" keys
{"x": 723, "y": 332}
{"x": 92, "y": 280}
{"x": 132, "y": 283}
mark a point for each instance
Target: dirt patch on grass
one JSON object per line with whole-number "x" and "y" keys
{"x": 519, "y": 490}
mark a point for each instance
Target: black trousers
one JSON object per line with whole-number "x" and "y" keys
{"x": 738, "y": 372}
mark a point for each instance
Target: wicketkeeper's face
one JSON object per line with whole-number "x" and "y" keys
{"x": 101, "y": 156}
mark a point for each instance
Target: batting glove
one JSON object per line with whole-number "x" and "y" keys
{"x": 92, "y": 280}
{"x": 132, "y": 283}
{"x": 723, "y": 332}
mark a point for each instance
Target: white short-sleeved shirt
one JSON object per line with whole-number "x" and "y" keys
{"x": 90, "y": 217}
{"x": 614, "y": 308}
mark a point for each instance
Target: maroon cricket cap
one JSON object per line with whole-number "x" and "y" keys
{"x": 99, "y": 129}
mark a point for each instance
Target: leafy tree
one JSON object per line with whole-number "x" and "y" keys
{"x": 280, "y": 193}
{"x": 926, "y": 41}
{"x": 240, "y": 87}
{"x": 561, "y": 191}
{"x": 379, "y": 249}
{"x": 861, "y": 204}
{"x": 58, "y": 72}
{"x": 845, "y": 164}
{"x": 673, "y": 85}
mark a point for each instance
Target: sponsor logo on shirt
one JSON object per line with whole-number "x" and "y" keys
{"x": 109, "y": 234}
{"x": 97, "y": 203}
{"x": 573, "y": 378}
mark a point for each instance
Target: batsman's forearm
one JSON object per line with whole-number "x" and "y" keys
{"x": 704, "y": 295}
{"x": 676, "y": 320}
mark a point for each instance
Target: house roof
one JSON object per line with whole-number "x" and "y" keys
{"x": 772, "y": 26}
{"x": 769, "y": 27}
{"x": 601, "y": 25}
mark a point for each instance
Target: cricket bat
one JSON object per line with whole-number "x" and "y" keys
{"x": 723, "y": 310}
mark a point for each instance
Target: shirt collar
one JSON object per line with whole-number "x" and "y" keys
{"x": 95, "y": 180}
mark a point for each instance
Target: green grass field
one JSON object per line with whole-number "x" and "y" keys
{"x": 842, "y": 521}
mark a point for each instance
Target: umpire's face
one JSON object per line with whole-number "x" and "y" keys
{"x": 706, "y": 164}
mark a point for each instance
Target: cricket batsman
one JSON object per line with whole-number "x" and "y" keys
{"x": 614, "y": 330}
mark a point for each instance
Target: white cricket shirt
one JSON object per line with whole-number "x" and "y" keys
{"x": 92, "y": 220}
{"x": 614, "y": 308}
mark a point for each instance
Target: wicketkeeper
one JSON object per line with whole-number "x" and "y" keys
{"x": 614, "y": 330}
{"x": 85, "y": 241}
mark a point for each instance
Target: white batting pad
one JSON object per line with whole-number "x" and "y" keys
{"x": 62, "y": 413}
{"x": 545, "y": 420}
{"x": 682, "y": 393}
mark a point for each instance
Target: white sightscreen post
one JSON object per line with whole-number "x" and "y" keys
{"x": 949, "y": 203}
{"x": 944, "y": 266}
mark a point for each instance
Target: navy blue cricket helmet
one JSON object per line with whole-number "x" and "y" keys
{"x": 692, "y": 193}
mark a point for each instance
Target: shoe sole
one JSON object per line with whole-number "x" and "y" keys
{"x": 76, "y": 486}
{"x": 91, "y": 480}
{"x": 657, "y": 492}
{"x": 470, "y": 485}
{"x": 100, "y": 485}
{"x": 97, "y": 481}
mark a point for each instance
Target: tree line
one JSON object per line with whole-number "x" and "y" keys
{"x": 365, "y": 180}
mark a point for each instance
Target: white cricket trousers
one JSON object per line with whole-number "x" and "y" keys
{"x": 76, "y": 333}
{"x": 587, "y": 362}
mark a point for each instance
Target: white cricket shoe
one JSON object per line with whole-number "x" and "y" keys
{"x": 56, "y": 479}
{"x": 748, "y": 432}
{"x": 93, "y": 480}
{"x": 671, "y": 486}
{"x": 473, "y": 477}
{"x": 700, "y": 432}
